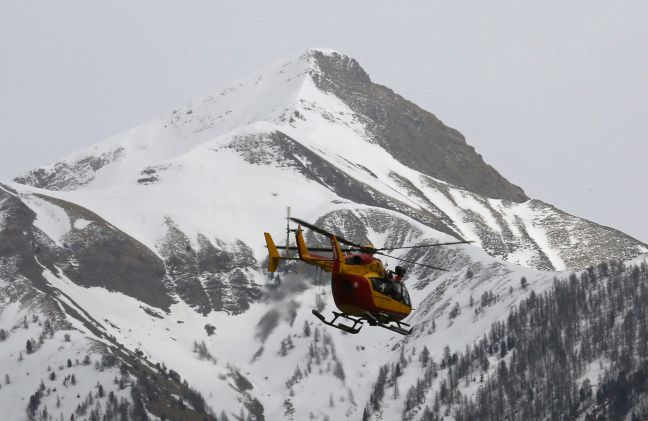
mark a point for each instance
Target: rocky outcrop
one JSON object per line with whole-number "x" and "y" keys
{"x": 413, "y": 136}
{"x": 210, "y": 276}
{"x": 92, "y": 254}
{"x": 70, "y": 175}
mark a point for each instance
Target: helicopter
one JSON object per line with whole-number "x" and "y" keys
{"x": 363, "y": 289}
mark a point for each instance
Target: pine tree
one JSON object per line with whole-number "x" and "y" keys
{"x": 424, "y": 357}
{"x": 34, "y": 401}
{"x": 338, "y": 371}
{"x": 365, "y": 415}
{"x": 401, "y": 359}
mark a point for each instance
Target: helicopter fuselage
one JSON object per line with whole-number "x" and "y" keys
{"x": 362, "y": 287}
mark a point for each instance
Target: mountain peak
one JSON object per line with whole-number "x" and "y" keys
{"x": 323, "y": 50}
{"x": 330, "y": 86}
{"x": 412, "y": 135}
{"x": 335, "y": 65}
{"x": 321, "y": 80}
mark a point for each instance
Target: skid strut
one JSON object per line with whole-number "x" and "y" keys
{"x": 357, "y": 322}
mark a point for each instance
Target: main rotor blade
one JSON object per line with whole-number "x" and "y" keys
{"x": 425, "y": 245}
{"x": 412, "y": 262}
{"x": 313, "y": 248}
{"x": 326, "y": 233}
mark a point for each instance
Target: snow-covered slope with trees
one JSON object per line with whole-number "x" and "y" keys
{"x": 148, "y": 248}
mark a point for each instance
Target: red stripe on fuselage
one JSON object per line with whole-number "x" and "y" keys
{"x": 353, "y": 295}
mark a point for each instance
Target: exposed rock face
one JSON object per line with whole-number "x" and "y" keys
{"x": 19, "y": 239}
{"x": 410, "y": 134}
{"x": 94, "y": 254}
{"x": 581, "y": 243}
{"x": 531, "y": 233}
{"x": 279, "y": 149}
{"x": 70, "y": 175}
{"x": 109, "y": 258}
{"x": 211, "y": 277}
{"x": 228, "y": 275}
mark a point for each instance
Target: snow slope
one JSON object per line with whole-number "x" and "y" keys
{"x": 255, "y": 344}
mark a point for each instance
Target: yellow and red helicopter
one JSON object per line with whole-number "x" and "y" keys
{"x": 363, "y": 289}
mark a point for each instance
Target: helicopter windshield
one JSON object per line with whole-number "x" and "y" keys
{"x": 393, "y": 289}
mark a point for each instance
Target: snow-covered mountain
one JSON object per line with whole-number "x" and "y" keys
{"x": 146, "y": 249}
{"x": 320, "y": 116}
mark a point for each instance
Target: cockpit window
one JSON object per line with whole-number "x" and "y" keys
{"x": 394, "y": 289}
{"x": 406, "y": 298}
{"x": 379, "y": 285}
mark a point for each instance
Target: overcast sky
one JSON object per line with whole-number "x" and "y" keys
{"x": 553, "y": 94}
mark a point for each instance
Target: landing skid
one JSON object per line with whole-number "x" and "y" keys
{"x": 393, "y": 325}
{"x": 357, "y": 323}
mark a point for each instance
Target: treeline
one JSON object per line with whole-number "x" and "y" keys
{"x": 542, "y": 361}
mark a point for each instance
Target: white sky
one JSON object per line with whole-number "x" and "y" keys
{"x": 553, "y": 94}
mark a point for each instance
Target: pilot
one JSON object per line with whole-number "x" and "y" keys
{"x": 399, "y": 271}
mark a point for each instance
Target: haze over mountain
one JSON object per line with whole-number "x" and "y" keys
{"x": 145, "y": 249}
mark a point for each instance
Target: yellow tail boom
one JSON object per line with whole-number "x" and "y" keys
{"x": 273, "y": 253}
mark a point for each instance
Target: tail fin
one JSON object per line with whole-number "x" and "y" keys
{"x": 274, "y": 258}
{"x": 304, "y": 254}
{"x": 338, "y": 257}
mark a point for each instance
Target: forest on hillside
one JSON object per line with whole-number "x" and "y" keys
{"x": 591, "y": 328}
{"x": 576, "y": 351}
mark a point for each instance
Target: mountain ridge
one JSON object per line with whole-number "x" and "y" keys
{"x": 323, "y": 103}
{"x": 341, "y": 75}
